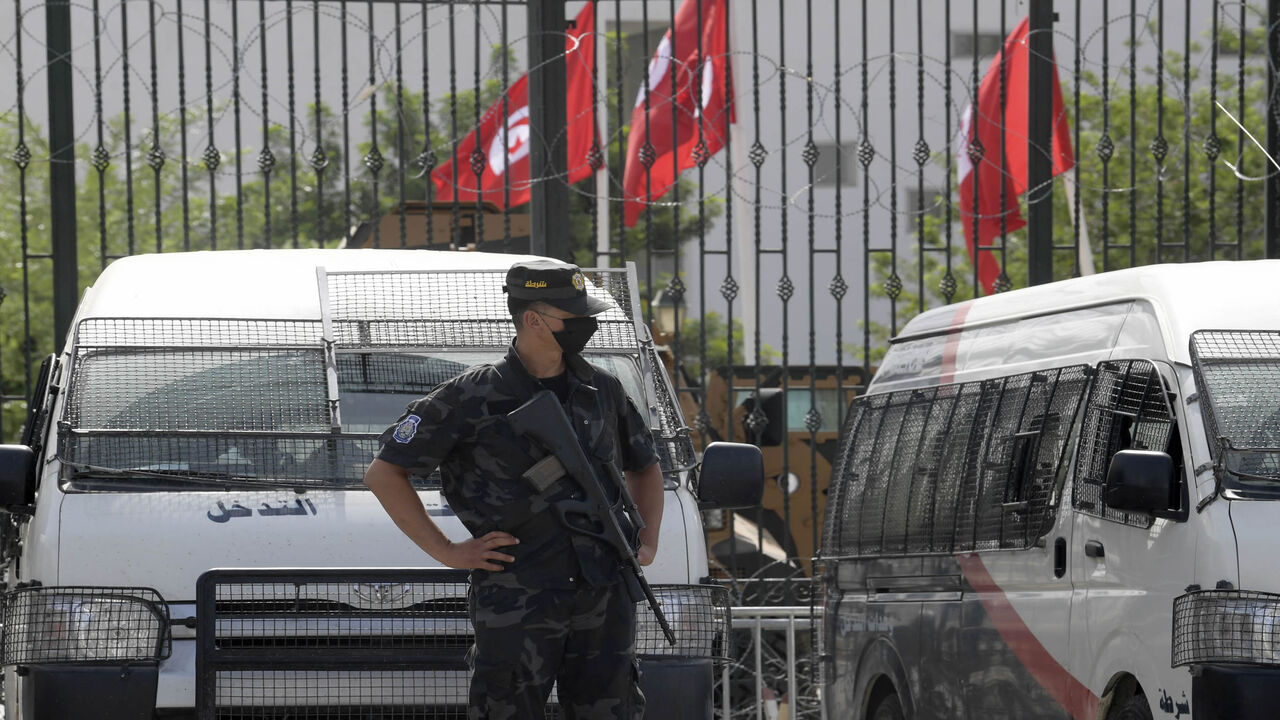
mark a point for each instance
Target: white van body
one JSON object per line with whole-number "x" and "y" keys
{"x": 1041, "y": 600}
{"x": 165, "y": 538}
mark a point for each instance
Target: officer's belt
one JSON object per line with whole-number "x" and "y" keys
{"x": 532, "y": 523}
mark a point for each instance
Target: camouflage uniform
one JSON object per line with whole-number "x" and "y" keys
{"x": 560, "y": 612}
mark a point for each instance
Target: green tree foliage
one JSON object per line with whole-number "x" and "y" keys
{"x": 712, "y": 329}
{"x": 23, "y": 226}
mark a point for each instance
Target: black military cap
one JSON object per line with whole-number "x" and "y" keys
{"x": 554, "y": 283}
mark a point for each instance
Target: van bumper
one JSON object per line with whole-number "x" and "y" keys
{"x": 1234, "y": 692}
{"x": 80, "y": 692}
{"x": 677, "y": 688}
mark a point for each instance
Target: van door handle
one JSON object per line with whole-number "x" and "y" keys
{"x": 1059, "y": 557}
{"x": 1094, "y": 549}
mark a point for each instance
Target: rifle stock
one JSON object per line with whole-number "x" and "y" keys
{"x": 543, "y": 420}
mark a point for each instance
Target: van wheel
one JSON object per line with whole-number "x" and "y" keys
{"x": 890, "y": 708}
{"x": 1135, "y": 709}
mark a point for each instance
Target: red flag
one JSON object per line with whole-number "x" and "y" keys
{"x": 673, "y": 144}
{"x": 504, "y": 151}
{"x": 985, "y": 128}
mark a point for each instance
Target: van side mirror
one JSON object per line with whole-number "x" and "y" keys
{"x": 17, "y": 474}
{"x": 1142, "y": 481}
{"x": 731, "y": 476}
{"x": 773, "y": 433}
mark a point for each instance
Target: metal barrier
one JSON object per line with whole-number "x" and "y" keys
{"x": 332, "y": 643}
{"x": 801, "y": 699}
{"x": 347, "y": 644}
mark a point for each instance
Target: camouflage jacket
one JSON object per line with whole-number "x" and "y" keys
{"x": 461, "y": 428}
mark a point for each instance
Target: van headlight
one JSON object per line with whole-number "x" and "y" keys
{"x": 1234, "y": 626}
{"x": 699, "y": 615}
{"x": 84, "y": 624}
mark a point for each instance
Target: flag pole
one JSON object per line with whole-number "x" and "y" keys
{"x": 1084, "y": 253}
{"x": 602, "y": 175}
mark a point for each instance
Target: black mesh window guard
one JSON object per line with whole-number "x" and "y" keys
{"x": 196, "y": 402}
{"x": 1226, "y": 626}
{"x": 1128, "y": 409}
{"x": 1238, "y": 374}
{"x": 84, "y": 625}
{"x": 957, "y": 468}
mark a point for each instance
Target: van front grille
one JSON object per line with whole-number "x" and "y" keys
{"x": 332, "y": 644}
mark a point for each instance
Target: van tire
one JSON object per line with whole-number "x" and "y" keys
{"x": 889, "y": 708}
{"x": 1136, "y": 708}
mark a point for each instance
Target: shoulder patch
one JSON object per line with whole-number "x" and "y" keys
{"x": 406, "y": 429}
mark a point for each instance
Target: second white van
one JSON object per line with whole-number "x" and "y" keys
{"x": 1064, "y": 502}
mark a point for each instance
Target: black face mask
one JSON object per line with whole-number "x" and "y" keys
{"x": 577, "y": 331}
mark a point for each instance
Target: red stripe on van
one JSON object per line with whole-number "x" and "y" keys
{"x": 952, "y": 347}
{"x": 1061, "y": 685}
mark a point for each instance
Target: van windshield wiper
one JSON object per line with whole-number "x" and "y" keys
{"x": 189, "y": 477}
{"x": 1265, "y": 459}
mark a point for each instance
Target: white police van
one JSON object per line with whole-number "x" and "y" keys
{"x": 216, "y": 410}
{"x": 1064, "y": 502}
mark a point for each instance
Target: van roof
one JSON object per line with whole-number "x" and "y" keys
{"x": 251, "y": 284}
{"x": 1223, "y": 295}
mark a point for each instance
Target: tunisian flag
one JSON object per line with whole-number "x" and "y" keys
{"x": 504, "y": 146}
{"x": 985, "y": 127}
{"x": 675, "y": 140}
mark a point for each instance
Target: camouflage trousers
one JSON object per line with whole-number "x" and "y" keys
{"x": 583, "y": 641}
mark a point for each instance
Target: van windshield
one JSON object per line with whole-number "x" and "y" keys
{"x": 1238, "y": 373}
{"x": 252, "y": 416}
{"x": 377, "y": 387}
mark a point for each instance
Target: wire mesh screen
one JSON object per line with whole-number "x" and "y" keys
{"x": 1231, "y": 626}
{"x": 394, "y": 373}
{"x": 83, "y": 624}
{"x": 698, "y": 614}
{"x": 340, "y": 615}
{"x": 229, "y": 400}
{"x": 338, "y": 644}
{"x": 1127, "y": 410}
{"x": 972, "y": 466}
{"x": 268, "y": 459}
{"x": 248, "y": 401}
{"x": 672, "y": 440}
{"x": 1238, "y": 374}
{"x": 842, "y": 478}
{"x": 823, "y": 580}
{"x": 356, "y": 644}
{"x": 342, "y": 695}
{"x": 175, "y": 333}
{"x": 249, "y": 390}
{"x": 465, "y": 309}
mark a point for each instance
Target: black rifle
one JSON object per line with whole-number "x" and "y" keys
{"x": 543, "y": 420}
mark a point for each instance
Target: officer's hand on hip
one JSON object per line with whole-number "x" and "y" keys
{"x": 645, "y": 554}
{"x": 479, "y": 553}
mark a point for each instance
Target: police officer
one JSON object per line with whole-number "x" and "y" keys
{"x": 547, "y": 603}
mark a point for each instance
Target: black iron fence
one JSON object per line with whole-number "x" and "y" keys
{"x": 814, "y": 149}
